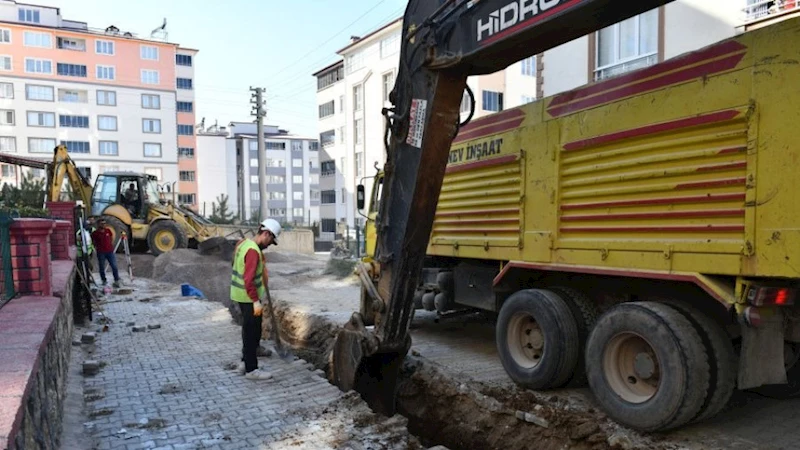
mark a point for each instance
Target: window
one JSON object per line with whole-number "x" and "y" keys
{"x": 151, "y": 101}
{"x": 73, "y": 96}
{"x": 358, "y": 97}
{"x": 187, "y": 199}
{"x": 275, "y": 162}
{"x": 297, "y": 179}
{"x": 492, "y": 101}
{"x": 277, "y": 195}
{"x": 359, "y": 163}
{"x": 34, "y": 65}
{"x": 76, "y": 146}
{"x": 253, "y": 179}
{"x": 37, "y": 39}
{"x": 149, "y": 52}
{"x": 186, "y": 152}
{"x": 155, "y": 171}
{"x": 104, "y": 47}
{"x": 185, "y": 130}
{"x": 313, "y": 178}
{"x": 29, "y": 15}
{"x": 149, "y": 76}
{"x": 344, "y": 195}
{"x": 41, "y": 119}
{"x": 276, "y": 179}
{"x": 328, "y": 168}
{"x": 5, "y": 63}
{"x": 326, "y": 109}
{"x": 41, "y": 145}
{"x": 109, "y": 148}
{"x": 297, "y": 146}
{"x": 184, "y": 83}
{"x": 184, "y": 107}
{"x": 105, "y": 72}
{"x": 152, "y": 150}
{"x": 273, "y": 145}
{"x": 39, "y": 93}
{"x": 8, "y": 171}
{"x": 255, "y": 196}
{"x": 313, "y": 194}
{"x": 71, "y": 70}
{"x": 86, "y": 172}
{"x": 298, "y": 212}
{"x": 529, "y": 66}
{"x": 297, "y": 195}
{"x": 328, "y": 197}
{"x": 358, "y": 134}
{"x": 388, "y": 85}
{"x": 525, "y": 99}
{"x": 327, "y": 225}
{"x": 313, "y": 146}
{"x": 328, "y": 78}
{"x": 107, "y": 123}
{"x": 183, "y": 60}
{"x": 5, "y": 36}
{"x": 465, "y": 103}
{"x": 355, "y": 62}
{"x": 186, "y": 175}
{"x": 327, "y": 137}
{"x": 390, "y": 45}
{"x": 313, "y": 163}
{"x": 69, "y": 121}
{"x": 6, "y": 90}
{"x": 107, "y": 98}
{"x": 78, "y": 45}
{"x": 253, "y": 163}
{"x": 7, "y": 117}
{"x": 628, "y": 45}
{"x": 342, "y": 135}
{"x": 277, "y": 212}
{"x": 297, "y": 162}
{"x": 151, "y": 125}
{"x": 8, "y": 144}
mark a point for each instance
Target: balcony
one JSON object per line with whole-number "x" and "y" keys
{"x": 764, "y": 10}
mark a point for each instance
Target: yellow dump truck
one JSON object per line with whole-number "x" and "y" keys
{"x": 640, "y": 233}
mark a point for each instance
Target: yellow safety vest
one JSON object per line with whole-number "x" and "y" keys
{"x": 238, "y": 290}
{"x": 89, "y": 243}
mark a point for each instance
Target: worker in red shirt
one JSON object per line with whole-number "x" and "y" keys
{"x": 248, "y": 287}
{"x": 103, "y": 240}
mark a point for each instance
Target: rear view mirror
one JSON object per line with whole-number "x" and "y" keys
{"x": 360, "y": 198}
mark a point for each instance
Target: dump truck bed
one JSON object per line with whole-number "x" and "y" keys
{"x": 685, "y": 166}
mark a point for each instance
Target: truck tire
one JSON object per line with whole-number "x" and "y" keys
{"x": 721, "y": 359}
{"x": 165, "y": 236}
{"x": 585, "y": 313}
{"x": 647, "y": 366}
{"x": 117, "y": 227}
{"x": 446, "y": 283}
{"x": 537, "y": 339}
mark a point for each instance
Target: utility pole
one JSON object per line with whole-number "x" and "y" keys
{"x": 257, "y": 99}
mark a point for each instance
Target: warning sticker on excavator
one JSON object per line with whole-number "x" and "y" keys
{"x": 416, "y": 126}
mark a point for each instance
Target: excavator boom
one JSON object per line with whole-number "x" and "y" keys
{"x": 61, "y": 166}
{"x": 443, "y": 42}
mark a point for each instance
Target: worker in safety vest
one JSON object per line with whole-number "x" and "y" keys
{"x": 87, "y": 238}
{"x": 248, "y": 287}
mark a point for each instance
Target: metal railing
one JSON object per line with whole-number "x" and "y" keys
{"x": 7, "y": 286}
{"x": 765, "y": 8}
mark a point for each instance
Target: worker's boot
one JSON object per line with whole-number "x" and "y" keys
{"x": 117, "y": 284}
{"x": 258, "y": 374}
{"x": 240, "y": 368}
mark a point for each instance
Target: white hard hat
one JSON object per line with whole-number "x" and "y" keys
{"x": 274, "y": 227}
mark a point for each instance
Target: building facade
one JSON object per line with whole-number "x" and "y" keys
{"x": 117, "y": 101}
{"x": 293, "y": 174}
{"x": 215, "y": 168}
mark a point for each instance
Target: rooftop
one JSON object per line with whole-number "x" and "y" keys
{"x": 360, "y": 40}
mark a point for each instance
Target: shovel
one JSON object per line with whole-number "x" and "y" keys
{"x": 282, "y": 351}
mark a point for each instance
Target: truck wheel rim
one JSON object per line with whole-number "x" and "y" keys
{"x": 164, "y": 240}
{"x": 525, "y": 340}
{"x": 631, "y": 367}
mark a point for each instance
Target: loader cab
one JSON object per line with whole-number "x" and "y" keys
{"x": 133, "y": 191}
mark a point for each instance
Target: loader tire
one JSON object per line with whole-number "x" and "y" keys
{"x": 117, "y": 227}
{"x": 721, "y": 358}
{"x": 585, "y": 313}
{"x": 537, "y": 339}
{"x": 165, "y": 236}
{"x": 647, "y": 366}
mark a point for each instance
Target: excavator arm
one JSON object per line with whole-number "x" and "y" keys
{"x": 443, "y": 42}
{"x": 61, "y": 166}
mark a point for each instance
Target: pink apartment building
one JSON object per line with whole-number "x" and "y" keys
{"x": 118, "y": 101}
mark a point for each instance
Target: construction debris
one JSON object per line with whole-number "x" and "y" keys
{"x": 88, "y": 337}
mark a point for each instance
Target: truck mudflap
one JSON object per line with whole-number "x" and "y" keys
{"x": 761, "y": 361}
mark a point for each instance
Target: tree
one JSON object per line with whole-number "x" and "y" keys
{"x": 220, "y": 213}
{"x": 29, "y": 194}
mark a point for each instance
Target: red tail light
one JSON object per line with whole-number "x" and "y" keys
{"x": 765, "y": 296}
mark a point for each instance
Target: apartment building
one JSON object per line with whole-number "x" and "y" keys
{"x": 118, "y": 101}
{"x": 350, "y": 95}
{"x": 353, "y": 142}
{"x": 293, "y": 172}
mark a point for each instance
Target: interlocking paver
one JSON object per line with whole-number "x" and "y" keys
{"x": 168, "y": 388}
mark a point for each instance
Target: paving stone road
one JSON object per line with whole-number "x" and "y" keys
{"x": 169, "y": 388}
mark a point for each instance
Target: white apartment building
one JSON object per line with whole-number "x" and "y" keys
{"x": 292, "y": 174}
{"x": 370, "y": 64}
{"x": 215, "y": 166}
{"x": 110, "y": 96}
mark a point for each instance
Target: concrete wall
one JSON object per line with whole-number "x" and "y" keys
{"x": 296, "y": 241}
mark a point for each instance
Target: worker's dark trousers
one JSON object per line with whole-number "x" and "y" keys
{"x": 251, "y": 336}
{"x": 112, "y": 261}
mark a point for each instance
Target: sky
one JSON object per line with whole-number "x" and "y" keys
{"x": 272, "y": 44}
